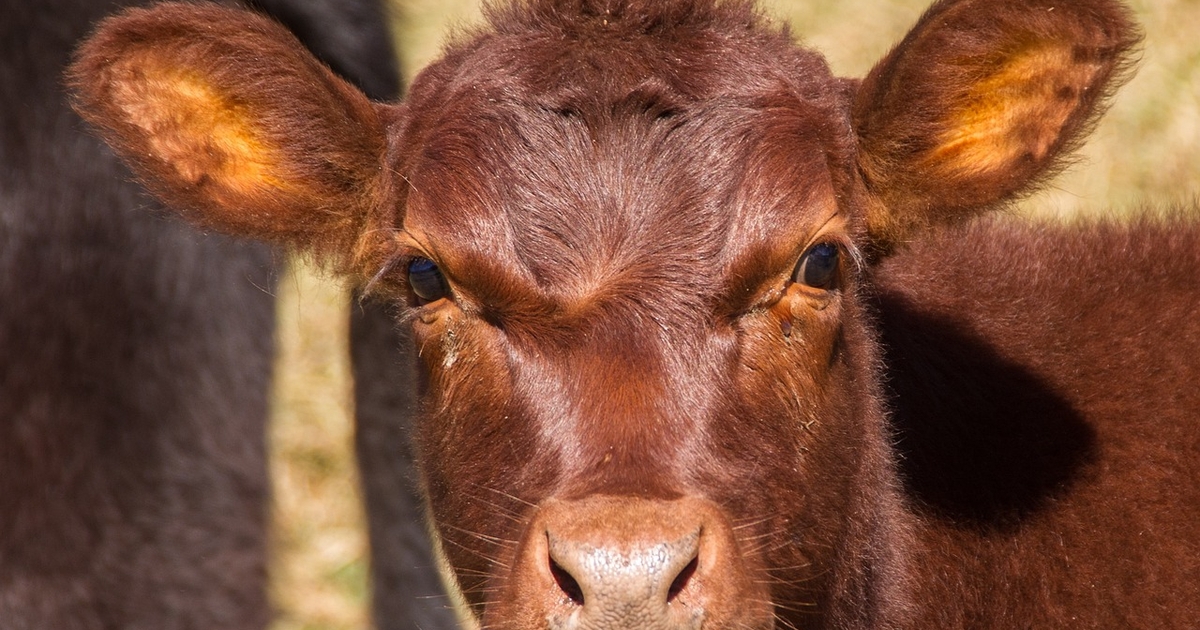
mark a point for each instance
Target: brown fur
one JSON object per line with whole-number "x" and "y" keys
{"x": 1055, "y": 488}
{"x": 618, "y": 193}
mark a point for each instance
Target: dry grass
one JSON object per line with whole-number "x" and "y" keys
{"x": 319, "y": 566}
{"x": 1146, "y": 151}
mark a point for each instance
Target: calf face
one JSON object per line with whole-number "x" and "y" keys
{"x": 631, "y": 240}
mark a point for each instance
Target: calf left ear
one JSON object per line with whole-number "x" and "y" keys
{"x": 980, "y": 102}
{"x": 227, "y": 117}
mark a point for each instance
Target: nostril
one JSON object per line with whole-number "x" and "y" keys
{"x": 614, "y": 562}
{"x": 681, "y": 581}
{"x": 566, "y": 583}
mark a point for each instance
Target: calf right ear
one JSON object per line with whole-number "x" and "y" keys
{"x": 980, "y": 102}
{"x": 229, "y": 119}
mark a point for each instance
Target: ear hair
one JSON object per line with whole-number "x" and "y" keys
{"x": 227, "y": 117}
{"x": 980, "y": 103}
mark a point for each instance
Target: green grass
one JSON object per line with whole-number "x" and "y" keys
{"x": 1145, "y": 152}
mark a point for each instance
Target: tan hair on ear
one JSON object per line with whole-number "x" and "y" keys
{"x": 195, "y": 129}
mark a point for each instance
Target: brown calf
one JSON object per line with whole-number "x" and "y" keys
{"x": 708, "y": 338}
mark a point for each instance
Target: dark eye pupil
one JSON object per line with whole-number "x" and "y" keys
{"x": 426, "y": 280}
{"x": 818, "y": 267}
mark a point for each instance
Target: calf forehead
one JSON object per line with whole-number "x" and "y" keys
{"x": 617, "y": 178}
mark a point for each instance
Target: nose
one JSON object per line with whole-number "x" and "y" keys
{"x": 635, "y": 584}
{"x": 617, "y": 563}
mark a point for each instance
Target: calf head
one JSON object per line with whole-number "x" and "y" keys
{"x": 630, "y": 239}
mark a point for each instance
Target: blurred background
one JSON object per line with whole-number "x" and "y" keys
{"x": 1143, "y": 155}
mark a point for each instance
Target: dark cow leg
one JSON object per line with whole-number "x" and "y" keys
{"x": 406, "y": 589}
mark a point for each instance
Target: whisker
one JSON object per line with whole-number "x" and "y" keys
{"x": 485, "y": 537}
{"x": 502, "y": 510}
{"x": 506, "y": 495}
{"x": 789, "y": 625}
{"x": 793, "y": 567}
{"x": 792, "y": 606}
{"x": 475, "y": 572}
{"x": 757, "y": 521}
{"x": 757, "y": 537}
{"x": 475, "y": 552}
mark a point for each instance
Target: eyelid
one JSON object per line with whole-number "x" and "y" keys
{"x": 773, "y": 287}
{"x": 410, "y": 245}
{"x": 395, "y": 266}
{"x": 833, "y": 230}
{"x": 413, "y": 244}
{"x": 835, "y": 223}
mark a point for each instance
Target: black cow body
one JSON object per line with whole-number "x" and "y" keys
{"x": 135, "y": 357}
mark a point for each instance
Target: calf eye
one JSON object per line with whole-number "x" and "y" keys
{"x": 818, "y": 266}
{"x": 426, "y": 280}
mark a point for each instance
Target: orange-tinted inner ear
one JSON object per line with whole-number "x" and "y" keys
{"x": 980, "y": 103}
{"x": 189, "y": 124}
{"x": 1016, "y": 113}
{"x": 226, "y": 117}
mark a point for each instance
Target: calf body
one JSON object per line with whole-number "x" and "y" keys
{"x": 1041, "y": 391}
{"x": 702, "y": 344}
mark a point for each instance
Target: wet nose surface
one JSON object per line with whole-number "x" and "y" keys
{"x": 634, "y": 587}
{"x": 621, "y": 563}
